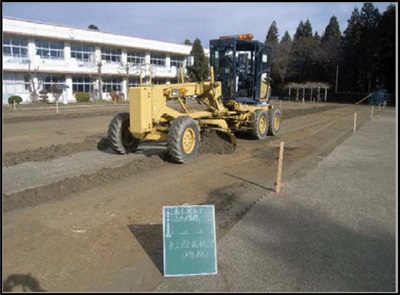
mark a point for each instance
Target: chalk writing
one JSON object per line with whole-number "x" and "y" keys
{"x": 189, "y": 240}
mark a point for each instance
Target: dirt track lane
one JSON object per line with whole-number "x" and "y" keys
{"x": 108, "y": 237}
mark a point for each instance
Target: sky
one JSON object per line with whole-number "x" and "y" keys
{"x": 175, "y": 21}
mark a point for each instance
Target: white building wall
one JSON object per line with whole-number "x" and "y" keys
{"x": 70, "y": 67}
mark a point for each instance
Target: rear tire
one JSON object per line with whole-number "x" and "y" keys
{"x": 121, "y": 139}
{"x": 183, "y": 139}
{"x": 275, "y": 120}
{"x": 259, "y": 124}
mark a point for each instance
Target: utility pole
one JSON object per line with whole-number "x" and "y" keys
{"x": 337, "y": 78}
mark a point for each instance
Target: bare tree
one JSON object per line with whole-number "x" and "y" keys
{"x": 97, "y": 93}
{"x": 34, "y": 86}
{"x": 55, "y": 91}
{"x": 127, "y": 69}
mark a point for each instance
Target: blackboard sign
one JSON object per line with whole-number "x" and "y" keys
{"x": 189, "y": 240}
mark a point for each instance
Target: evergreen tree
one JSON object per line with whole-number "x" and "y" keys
{"x": 361, "y": 50}
{"x": 330, "y": 52}
{"x": 368, "y": 49}
{"x": 387, "y": 50}
{"x": 304, "y": 53}
{"x": 281, "y": 62}
{"x": 307, "y": 30}
{"x": 199, "y": 71}
{"x": 352, "y": 34}
{"x": 272, "y": 35}
{"x": 187, "y": 42}
{"x": 350, "y": 41}
{"x": 93, "y": 27}
{"x": 299, "y": 31}
{"x": 370, "y": 16}
{"x": 332, "y": 30}
{"x": 286, "y": 37}
{"x": 272, "y": 41}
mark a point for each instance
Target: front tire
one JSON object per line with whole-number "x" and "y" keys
{"x": 183, "y": 139}
{"x": 121, "y": 139}
{"x": 259, "y": 124}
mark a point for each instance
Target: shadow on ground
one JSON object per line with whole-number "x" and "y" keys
{"x": 16, "y": 282}
{"x": 150, "y": 238}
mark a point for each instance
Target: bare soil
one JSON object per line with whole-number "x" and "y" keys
{"x": 101, "y": 230}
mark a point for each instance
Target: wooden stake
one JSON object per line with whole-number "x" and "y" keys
{"x": 279, "y": 176}
{"x": 355, "y": 122}
{"x": 372, "y": 112}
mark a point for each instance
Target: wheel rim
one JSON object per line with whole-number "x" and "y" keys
{"x": 188, "y": 140}
{"x": 276, "y": 122}
{"x": 262, "y": 125}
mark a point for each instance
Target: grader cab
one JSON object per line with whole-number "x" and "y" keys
{"x": 235, "y": 98}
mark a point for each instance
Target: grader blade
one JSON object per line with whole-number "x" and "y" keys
{"x": 226, "y": 135}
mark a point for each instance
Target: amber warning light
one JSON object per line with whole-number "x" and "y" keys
{"x": 241, "y": 36}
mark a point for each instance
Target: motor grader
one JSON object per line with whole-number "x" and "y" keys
{"x": 235, "y": 98}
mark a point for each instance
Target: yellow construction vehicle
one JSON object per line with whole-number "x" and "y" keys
{"x": 235, "y": 98}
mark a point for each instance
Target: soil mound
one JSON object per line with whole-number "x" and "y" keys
{"x": 215, "y": 142}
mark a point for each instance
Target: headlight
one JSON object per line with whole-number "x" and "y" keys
{"x": 175, "y": 92}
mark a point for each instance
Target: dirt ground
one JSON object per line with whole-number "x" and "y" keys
{"x": 78, "y": 217}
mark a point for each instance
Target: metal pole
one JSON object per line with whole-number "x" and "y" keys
{"x": 337, "y": 78}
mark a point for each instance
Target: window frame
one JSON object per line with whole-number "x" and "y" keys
{"x": 111, "y": 55}
{"x": 13, "y": 46}
{"x": 82, "y": 52}
{"x": 52, "y": 50}
{"x": 158, "y": 59}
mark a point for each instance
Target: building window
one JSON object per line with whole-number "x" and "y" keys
{"x": 14, "y": 84}
{"x": 136, "y": 57}
{"x": 15, "y": 47}
{"x": 51, "y": 80}
{"x": 177, "y": 61}
{"x": 50, "y": 49}
{"x": 111, "y": 55}
{"x": 158, "y": 81}
{"x": 133, "y": 82}
{"x": 157, "y": 59}
{"x": 82, "y": 84}
{"x": 83, "y": 53}
{"x": 111, "y": 84}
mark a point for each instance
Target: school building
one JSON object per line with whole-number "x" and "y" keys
{"x": 38, "y": 55}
